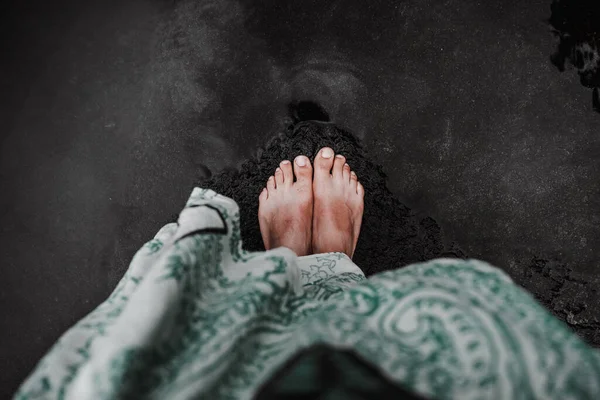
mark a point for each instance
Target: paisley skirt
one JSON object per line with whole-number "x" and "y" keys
{"x": 197, "y": 316}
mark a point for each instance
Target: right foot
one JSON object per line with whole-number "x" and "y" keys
{"x": 338, "y": 204}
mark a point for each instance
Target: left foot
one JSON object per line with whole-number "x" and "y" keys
{"x": 285, "y": 207}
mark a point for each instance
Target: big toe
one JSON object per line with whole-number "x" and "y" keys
{"x": 323, "y": 163}
{"x": 303, "y": 171}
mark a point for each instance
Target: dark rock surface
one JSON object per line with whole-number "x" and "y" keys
{"x": 576, "y": 23}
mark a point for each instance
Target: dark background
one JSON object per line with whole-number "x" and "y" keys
{"x": 112, "y": 110}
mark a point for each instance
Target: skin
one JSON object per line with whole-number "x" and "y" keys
{"x": 321, "y": 212}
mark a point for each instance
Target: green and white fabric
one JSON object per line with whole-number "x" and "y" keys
{"x": 196, "y": 316}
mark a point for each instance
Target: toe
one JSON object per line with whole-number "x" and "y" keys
{"x": 303, "y": 170}
{"x": 288, "y": 173}
{"x": 346, "y": 172}
{"x": 278, "y": 177}
{"x": 360, "y": 190}
{"x": 323, "y": 163}
{"x": 264, "y": 195}
{"x": 338, "y": 166}
{"x": 271, "y": 184}
{"x": 353, "y": 180}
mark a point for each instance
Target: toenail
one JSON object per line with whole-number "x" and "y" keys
{"x": 340, "y": 156}
{"x": 327, "y": 153}
{"x": 301, "y": 161}
{"x": 285, "y": 162}
{"x": 353, "y": 173}
{"x": 278, "y": 169}
{"x": 346, "y": 165}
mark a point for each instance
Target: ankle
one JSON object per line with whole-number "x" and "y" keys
{"x": 332, "y": 246}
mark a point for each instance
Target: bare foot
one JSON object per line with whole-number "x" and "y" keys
{"x": 285, "y": 208}
{"x": 338, "y": 208}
